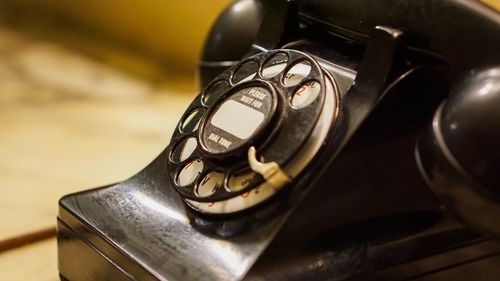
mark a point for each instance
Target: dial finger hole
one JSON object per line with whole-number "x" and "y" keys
{"x": 190, "y": 172}
{"x": 214, "y": 92}
{"x": 274, "y": 65}
{"x": 306, "y": 94}
{"x": 245, "y": 72}
{"x": 192, "y": 121}
{"x": 239, "y": 180}
{"x": 297, "y": 73}
{"x": 183, "y": 150}
{"x": 209, "y": 184}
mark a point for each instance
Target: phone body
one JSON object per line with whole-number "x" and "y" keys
{"x": 307, "y": 155}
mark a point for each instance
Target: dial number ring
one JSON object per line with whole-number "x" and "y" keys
{"x": 299, "y": 122}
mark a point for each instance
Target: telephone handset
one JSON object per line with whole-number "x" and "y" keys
{"x": 252, "y": 131}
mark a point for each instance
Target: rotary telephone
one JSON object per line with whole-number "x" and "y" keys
{"x": 339, "y": 140}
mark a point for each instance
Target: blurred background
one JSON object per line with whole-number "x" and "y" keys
{"x": 90, "y": 92}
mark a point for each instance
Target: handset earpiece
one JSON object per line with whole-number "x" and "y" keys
{"x": 230, "y": 38}
{"x": 459, "y": 154}
{"x": 245, "y": 28}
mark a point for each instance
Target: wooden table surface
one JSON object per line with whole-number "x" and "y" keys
{"x": 70, "y": 122}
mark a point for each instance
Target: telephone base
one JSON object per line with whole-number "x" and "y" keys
{"x": 126, "y": 232}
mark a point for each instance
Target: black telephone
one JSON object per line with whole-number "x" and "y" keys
{"x": 325, "y": 137}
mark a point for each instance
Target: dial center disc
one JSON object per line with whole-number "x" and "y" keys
{"x": 237, "y": 121}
